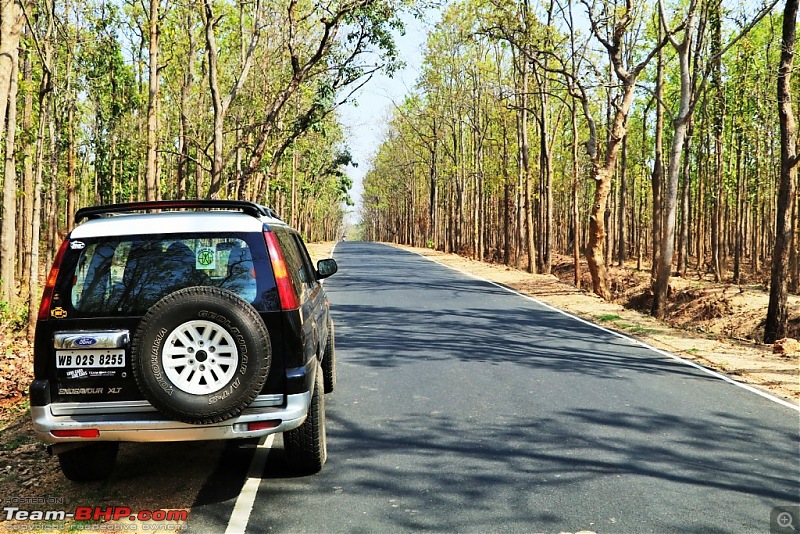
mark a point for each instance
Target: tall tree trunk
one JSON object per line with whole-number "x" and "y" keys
{"x": 622, "y": 229}
{"x": 71, "y": 166}
{"x": 595, "y": 253}
{"x": 524, "y": 160}
{"x": 45, "y": 90}
{"x": 216, "y": 99}
{"x": 151, "y": 168}
{"x": 8, "y": 245}
{"x": 576, "y": 223}
{"x": 186, "y": 88}
{"x": 433, "y": 201}
{"x": 544, "y": 263}
{"x": 738, "y": 237}
{"x": 683, "y": 235}
{"x": 718, "y": 113}
{"x": 681, "y": 127}
{"x": 794, "y": 268}
{"x": 11, "y": 23}
{"x": 602, "y": 173}
{"x": 506, "y": 197}
{"x": 26, "y": 201}
{"x": 777, "y": 312}
{"x": 658, "y": 163}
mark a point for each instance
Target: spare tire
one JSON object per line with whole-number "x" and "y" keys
{"x": 201, "y": 355}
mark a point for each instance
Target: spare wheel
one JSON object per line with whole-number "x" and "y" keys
{"x": 201, "y": 355}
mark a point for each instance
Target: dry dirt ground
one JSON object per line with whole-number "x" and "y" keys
{"x": 710, "y": 324}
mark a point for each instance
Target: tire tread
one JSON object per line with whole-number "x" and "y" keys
{"x": 306, "y": 445}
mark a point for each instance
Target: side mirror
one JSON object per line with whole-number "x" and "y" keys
{"x": 325, "y": 268}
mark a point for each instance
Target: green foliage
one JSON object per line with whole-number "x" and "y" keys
{"x": 110, "y": 85}
{"x": 13, "y": 316}
{"x": 17, "y": 442}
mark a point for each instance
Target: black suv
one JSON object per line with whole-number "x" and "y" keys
{"x": 196, "y": 320}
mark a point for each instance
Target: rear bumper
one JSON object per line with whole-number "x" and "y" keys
{"x": 139, "y": 421}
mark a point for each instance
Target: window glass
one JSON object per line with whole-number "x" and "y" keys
{"x": 129, "y": 274}
{"x": 309, "y": 266}
{"x": 294, "y": 262}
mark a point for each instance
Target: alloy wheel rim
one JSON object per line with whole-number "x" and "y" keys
{"x": 200, "y": 357}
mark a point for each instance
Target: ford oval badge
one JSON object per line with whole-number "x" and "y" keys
{"x": 85, "y": 341}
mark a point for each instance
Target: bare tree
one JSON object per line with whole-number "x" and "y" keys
{"x": 777, "y": 313}
{"x": 308, "y": 62}
{"x": 222, "y": 105}
{"x": 680, "y": 125}
{"x": 690, "y": 88}
{"x": 613, "y": 39}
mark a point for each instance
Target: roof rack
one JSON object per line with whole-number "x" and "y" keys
{"x": 250, "y": 208}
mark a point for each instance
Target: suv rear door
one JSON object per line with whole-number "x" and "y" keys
{"x": 310, "y": 296}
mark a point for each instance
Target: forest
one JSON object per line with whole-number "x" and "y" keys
{"x": 607, "y": 131}
{"x": 110, "y": 101}
{"x": 658, "y": 133}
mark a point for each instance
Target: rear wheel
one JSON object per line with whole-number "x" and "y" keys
{"x": 201, "y": 355}
{"x": 89, "y": 462}
{"x": 329, "y": 362}
{"x": 306, "y": 446}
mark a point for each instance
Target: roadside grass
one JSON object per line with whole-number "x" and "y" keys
{"x": 639, "y": 329}
{"x": 607, "y": 317}
{"x": 618, "y": 322}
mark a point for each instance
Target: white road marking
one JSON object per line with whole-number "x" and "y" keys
{"x": 247, "y": 497}
{"x": 623, "y": 336}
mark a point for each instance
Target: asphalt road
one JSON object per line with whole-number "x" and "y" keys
{"x": 464, "y": 407}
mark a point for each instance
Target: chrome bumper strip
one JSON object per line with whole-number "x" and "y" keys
{"x": 104, "y": 408}
{"x": 139, "y": 421}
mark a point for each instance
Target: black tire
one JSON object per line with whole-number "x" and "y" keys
{"x": 89, "y": 462}
{"x": 306, "y": 446}
{"x": 329, "y": 362}
{"x": 201, "y": 355}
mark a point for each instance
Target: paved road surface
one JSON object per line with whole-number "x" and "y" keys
{"x": 464, "y": 407}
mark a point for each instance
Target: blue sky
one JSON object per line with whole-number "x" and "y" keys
{"x": 365, "y": 121}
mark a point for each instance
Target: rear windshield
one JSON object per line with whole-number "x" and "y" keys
{"x": 126, "y": 275}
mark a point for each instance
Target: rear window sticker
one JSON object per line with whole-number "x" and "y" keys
{"x": 205, "y": 258}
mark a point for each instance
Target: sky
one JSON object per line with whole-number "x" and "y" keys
{"x": 365, "y": 120}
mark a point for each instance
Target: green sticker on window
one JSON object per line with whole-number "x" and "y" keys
{"x": 205, "y": 258}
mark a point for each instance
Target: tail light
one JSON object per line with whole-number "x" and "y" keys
{"x": 90, "y": 433}
{"x": 281, "y": 271}
{"x": 47, "y": 295}
{"x": 263, "y": 425}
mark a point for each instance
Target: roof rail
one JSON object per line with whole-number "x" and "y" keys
{"x": 250, "y": 208}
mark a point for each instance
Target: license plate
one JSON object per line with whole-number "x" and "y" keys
{"x": 90, "y": 358}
